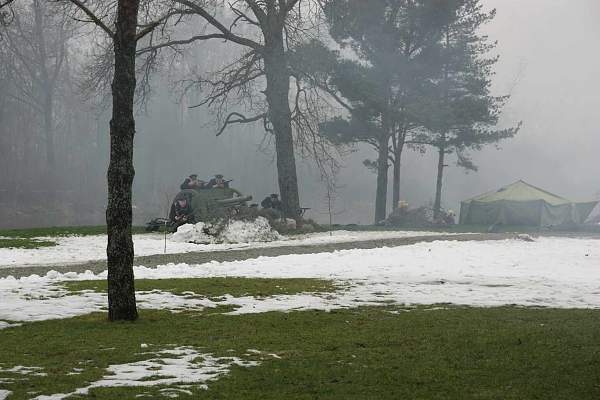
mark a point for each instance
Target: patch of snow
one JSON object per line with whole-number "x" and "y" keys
{"x": 525, "y": 237}
{"x": 192, "y": 233}
{"x": 4, "y": 394}
{"x": 4, "y": 325}
{"x": 235, "y": 232}
{"x": 79, "y": 249}
{"x": 21, "y": 370}
{"x": 246, "y": 232}
{"x": 179, "y": 368}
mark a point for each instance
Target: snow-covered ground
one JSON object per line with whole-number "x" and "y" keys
{"x": 549, "y": 272}
{"x": 78, "y": 249}
{"x": 179, "y": 368}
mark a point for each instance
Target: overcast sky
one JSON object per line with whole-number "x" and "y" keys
{"x": 550, "y": 64}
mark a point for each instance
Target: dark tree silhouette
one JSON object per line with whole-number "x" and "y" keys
{"x": 121, "y": 289}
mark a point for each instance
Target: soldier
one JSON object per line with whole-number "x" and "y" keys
{"x": 218, "y": 182}
{"x": 192, "y": 182}
{"x": 272, "y": 202}
{"x": 183, "y": 213}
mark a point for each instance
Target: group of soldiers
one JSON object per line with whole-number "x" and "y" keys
{"x": 270, "y": 202}
{"x": 192, "y": 182}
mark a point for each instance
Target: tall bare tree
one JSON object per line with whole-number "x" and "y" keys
{"x": 266, "y": 32}
{"x": 36, "y": 39}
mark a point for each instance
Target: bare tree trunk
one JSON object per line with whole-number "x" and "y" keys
{"x": 121, "y": 291}
{"x": 277, "y": 92}
{"x": 437, "y": 207}
{"x": 382, "y": 180}
{"x": 398, "y": 149}
{"x": 47, "y": 92}
{"x": 49, "y": 133}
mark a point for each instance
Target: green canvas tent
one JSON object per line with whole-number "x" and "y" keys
{"x": 523, "y": 204}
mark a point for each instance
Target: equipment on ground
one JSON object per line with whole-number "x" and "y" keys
{"x": 206, "y": 205}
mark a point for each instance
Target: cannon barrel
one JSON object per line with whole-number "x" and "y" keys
{"x": 234, "y": 201}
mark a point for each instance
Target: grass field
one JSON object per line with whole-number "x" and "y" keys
{"x": 24, "y": 243}
{"x": 387, "y": 352}
{"x": 60, "y": 231}
{"x": 217, "y": 287}
{"x": 30, "y": 238}
{"x": 366, "y": 353}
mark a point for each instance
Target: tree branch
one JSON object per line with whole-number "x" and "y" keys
{"x": 5, "y": 3}
{"x": 242, "y": 16}
{"x": 239, "y": 119}
{"x": 148, "y": 28}
{"x": 181, "y": 42}
{"x": 93, "y": 17}
{"x": 226, "y": 33}
{"x": 290, "y": 5}
{"x": 260, "y": 14}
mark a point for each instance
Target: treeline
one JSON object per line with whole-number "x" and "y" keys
{"x": 318, "y": 76}
{"x": 50, "y": 143}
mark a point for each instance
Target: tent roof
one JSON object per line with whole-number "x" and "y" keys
{"x": 521, "y": 191}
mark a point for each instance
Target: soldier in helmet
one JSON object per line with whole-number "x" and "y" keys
{"x": 192, "y": 182}
{"x": 272, "y": 202}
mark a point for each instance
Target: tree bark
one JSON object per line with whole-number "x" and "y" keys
{"x": 398, "y": 149}
{"x": 437, "y": 206}
{"x": 121, "y": 291}
{"x": 277, "y": 93}
{"x": 382, "y": 180}
{"x": 46, "y": 93}
{"x": 49, "y": 134}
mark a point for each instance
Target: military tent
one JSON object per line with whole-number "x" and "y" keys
{"x": 594, "y": 217}
{"x": 523, "y": 204}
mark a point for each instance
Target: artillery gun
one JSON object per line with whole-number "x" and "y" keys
{"x": 206, "y": 205}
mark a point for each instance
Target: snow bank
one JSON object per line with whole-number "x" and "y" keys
{"x": 255, "y": 231}
{"x": 192, "y": 233}
{"x": 250, "y": 231}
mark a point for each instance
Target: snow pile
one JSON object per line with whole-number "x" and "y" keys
{"x": 178, "y": 368}
{"x": 193, "y": 233}
{"x": 250, "y": 231}
{"x": 258, "y": 230}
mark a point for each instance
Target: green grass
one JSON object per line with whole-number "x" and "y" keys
{"x": 20, "y": 243}
{"x": 367, "y": 353}
{"x": 217, "y": 287}
{"x": 60, "y": 231}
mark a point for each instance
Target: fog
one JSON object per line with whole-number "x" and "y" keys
{"x": 548, "y": 64}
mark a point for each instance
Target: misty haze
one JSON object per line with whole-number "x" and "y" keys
{"x": 293, "y": 199}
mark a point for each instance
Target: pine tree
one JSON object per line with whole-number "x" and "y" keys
{"x": 457, "y": 106}
{"x": 391, "y": 42}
